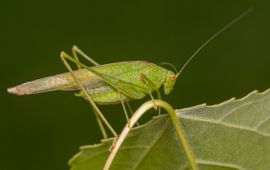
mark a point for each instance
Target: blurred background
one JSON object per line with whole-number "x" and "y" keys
{"x": 42, "y": 132}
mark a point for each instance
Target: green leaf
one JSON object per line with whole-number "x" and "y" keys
{"x": 228, "y": 136}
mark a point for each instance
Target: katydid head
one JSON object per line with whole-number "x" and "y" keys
{"x": 170, "y": 80}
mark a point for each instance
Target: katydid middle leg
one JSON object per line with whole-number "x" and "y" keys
{"x": 125, "y": 110}
{"x": 131, "y": 112}
{"x": 65, "y": 56}
{"x": 123, "y": 106}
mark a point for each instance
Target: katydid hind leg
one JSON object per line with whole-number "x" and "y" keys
{"x": 100, "y": 124}
{"x": 76, "y": 50}
{"x": 75, "y": 56}
{"x": 99, "y": 115}
{"x": 102, "y": 128}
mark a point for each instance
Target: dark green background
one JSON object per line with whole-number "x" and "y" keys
{"x": 41, "y": 132}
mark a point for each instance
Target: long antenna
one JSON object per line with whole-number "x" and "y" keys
{"x": 169, "y": 64}
{"x": 214, "y": 36}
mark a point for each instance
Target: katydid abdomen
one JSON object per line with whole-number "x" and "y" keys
{"x": 101, "y": 91}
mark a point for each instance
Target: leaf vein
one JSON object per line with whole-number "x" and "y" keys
{"x": 226, "y": 124}
{"x": 233, "y": 111}
{"x": 205, "y": 162}
{"x": 261, "y": 123}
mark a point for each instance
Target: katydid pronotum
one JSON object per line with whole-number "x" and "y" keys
{"x": 111, "y": 83}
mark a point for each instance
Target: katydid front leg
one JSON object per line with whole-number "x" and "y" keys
{"x": 151, "y": 87}
{"x": 63, "y": 57}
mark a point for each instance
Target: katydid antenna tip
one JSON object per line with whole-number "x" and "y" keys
{"x": 235, "y": 20}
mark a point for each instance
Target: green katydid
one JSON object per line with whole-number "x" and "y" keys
{"x": 111, "y": 83}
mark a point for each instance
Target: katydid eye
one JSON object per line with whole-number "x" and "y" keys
{"x": 172, "y": 77}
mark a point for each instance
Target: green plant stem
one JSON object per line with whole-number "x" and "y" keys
{"x": 136, "y": 116}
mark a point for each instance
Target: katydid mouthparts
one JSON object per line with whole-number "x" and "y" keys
{"x": 114, "y": 82}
